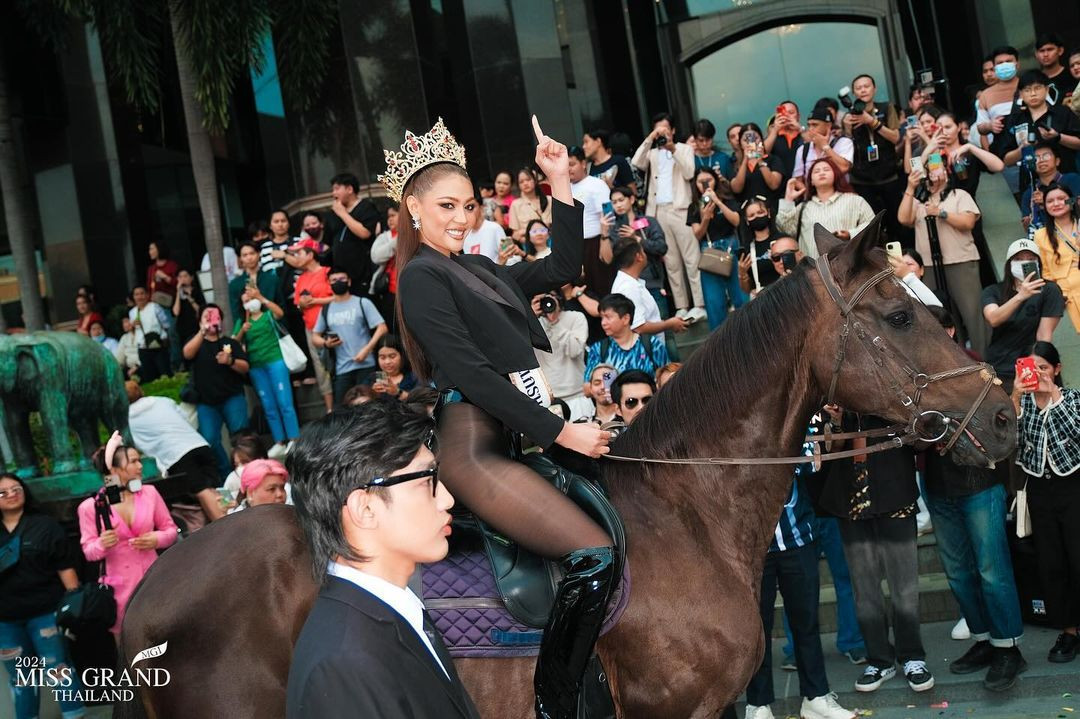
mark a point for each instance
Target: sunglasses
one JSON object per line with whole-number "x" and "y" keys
{"x": 632, "y": 402}
{"x": 13, "y": 492}
{"x": 780, "y": 257}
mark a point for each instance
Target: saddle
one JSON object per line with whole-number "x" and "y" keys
{"x": 491, "y": 597}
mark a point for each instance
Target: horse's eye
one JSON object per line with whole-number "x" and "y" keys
{"x": 900, "y": 319}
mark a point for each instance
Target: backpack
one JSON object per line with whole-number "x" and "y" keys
{"x": 806, "y": 150}
{"x": 605, "y": 347}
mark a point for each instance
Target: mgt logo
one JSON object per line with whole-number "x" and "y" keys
{"x": 95, "y": 684}
{"x": 150, "y": 653}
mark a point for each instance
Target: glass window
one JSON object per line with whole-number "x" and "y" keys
{"x": 744, "y": 81}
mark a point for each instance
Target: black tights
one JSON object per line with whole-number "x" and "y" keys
{"x": 506, "y": 494}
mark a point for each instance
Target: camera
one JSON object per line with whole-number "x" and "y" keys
{"x": 927, "y": 82}
{"x": 848, "y": 101}
{"x": 548, "y": 304}
{"x": 660, "y": 141}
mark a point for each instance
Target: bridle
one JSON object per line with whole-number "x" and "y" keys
{"x": 908, "y": 385}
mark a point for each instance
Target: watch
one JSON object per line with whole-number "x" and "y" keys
{"x": 579, "y": 293}
{"x": 942, "y": 215}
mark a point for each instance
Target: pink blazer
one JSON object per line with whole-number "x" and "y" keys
{"x": 125, "y": 565}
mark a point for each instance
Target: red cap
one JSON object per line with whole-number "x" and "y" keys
{"x": 306, "y": 244}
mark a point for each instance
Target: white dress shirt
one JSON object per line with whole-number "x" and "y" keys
{"x": 401, "y": 600}
{"x": 665, "y": 167}
{"x": 645, "y": 307}
{"x": 593, "y": 193}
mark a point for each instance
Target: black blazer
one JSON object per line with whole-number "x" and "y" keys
{"x": 356, "y": 657}
{"x": 474, "y": 321}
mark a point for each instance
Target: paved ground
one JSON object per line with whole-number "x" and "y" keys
{"x": 1040, "y": 692}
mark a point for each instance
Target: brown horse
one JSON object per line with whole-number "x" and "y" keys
{"x": 231, "y": 599}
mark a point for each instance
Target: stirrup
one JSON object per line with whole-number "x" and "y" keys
{"x": 573, "y": 627}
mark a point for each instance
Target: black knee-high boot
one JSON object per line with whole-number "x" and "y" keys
{"x": 571, "y": 633}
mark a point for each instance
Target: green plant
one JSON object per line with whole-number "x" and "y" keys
{"x": 166, "y": 386}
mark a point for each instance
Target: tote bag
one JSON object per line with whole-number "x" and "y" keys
{"x": 294, "y": 357}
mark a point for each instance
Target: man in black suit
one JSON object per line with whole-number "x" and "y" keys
{"x": 367, "y": 495}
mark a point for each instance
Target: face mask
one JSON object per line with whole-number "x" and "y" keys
{"x": 1005, "y": 71}
{"x": 1016, "y": 270}
{"x": 253, "y": 305}
{"x": 759, "y": 223}
{"x": 100, "y": 339}
{"x": 339, "y": 287}
{"x": 134, "y": 485}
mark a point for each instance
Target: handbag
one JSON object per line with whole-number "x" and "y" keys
{"x": 294, "y": 357}
{"x": 93, "y": 604}
{"x": 716, "y": 261}
{"x": 1023, "y": 516}
{"x": 10, "y": 552}
{"x": 162, "y": 298}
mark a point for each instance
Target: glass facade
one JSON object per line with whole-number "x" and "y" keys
{"x": 743, "y": 81}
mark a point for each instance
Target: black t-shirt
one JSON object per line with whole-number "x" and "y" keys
{"x": 719, "y": 228}
{"x": 756, "y": 187}
{"x": 786, "y": 152}
{"x": 351, "y": 253}
{"x": 624, "y": 176}
{"x": 767, "y": 274}
{"x": 882, "y": 170}
{"x": 215, "y": 382}
{"x": 1014, "y": 337}
{"x": 1065, "y": 84}
{"x": 1057, "y": 118}
{"x": 966, "y": 173}
{"x": 32, "y": 587}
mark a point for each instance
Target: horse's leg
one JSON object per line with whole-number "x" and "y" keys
{"x": 500, "y": 688}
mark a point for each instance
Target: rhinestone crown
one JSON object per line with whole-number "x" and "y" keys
{"x": 417, "y": 152}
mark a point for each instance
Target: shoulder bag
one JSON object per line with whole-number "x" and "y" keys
{"x": 93, "y": 604}
{"x": 294, "y": 357}
{"x": 1023, "y": 516}
{"x": 10, "y": 552}
{"x": 716, "y": 261}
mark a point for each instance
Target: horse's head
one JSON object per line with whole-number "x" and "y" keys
{"x": 896, "y": 361}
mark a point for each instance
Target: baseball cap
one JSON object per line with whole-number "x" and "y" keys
{"x": 1021, "y": 245}
{"x": 305, "y": 243}
{"x": 822, "y": 113}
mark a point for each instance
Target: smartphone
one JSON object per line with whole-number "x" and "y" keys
{"x": 328, "y": 336}
{"x": 789, "y": 261}
{"x": 505, "y": 244}
{"x": 1030, "y": 267}
{"x": 639, "y": 224}
{"x": 1026, "y": 373}
{"x": 893, "y": 250}
{"x": 609, "y": 379}
{"x": 916, "y": 164}
{"x": 608, "y": 209}
{"x": 112, "y": 487}
{"x": 381, "y": 376}
{"x": 912, "y": 122}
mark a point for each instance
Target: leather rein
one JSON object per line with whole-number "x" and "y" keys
{"x": 909, "y": 388}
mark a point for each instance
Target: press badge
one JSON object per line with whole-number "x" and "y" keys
{"x": 872, "y": 152}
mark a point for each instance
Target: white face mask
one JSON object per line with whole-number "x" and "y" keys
{"x": 253, "y": 305}
{"x": 1016, "y": 269}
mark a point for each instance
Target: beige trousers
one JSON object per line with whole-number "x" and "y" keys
{"x": 683, "y": 255}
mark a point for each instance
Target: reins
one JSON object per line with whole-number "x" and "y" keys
{"x": 899, "y": 435}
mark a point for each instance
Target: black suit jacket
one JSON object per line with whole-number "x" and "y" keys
{"x": 356, "y": 657}
{"x": 473, "y": 319}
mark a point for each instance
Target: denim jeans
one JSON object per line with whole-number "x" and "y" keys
{"x": 722, "y": 291}
{"x": 40, "y": 638}
{"x": 275, "y": 393}
{"x": 974, "y": 550}
{"x": 344, "y": 381}
{"x": 795, "y": 571}
{"x": 848, "y": 636}
{"x": 233, "y": 412}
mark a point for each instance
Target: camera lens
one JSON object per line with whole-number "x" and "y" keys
{"x": 548, "y": 304}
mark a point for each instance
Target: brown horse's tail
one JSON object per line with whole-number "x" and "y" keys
{"x": 132, "y": 708}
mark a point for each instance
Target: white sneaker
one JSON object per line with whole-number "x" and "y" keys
{"x": 697, "y": 314}
{"x": 289, "y": 446}
{"x": 682, "y": 314}
{"x": 277, "y": 451}
{"x": 824, "y": 707}
{"x": 753, "y": 712}
{"x": 961, "y": 631}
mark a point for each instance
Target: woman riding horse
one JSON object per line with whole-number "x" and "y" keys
{"x": 467, "y": 324}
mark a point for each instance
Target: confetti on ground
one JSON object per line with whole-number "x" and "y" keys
{"x": 940, "y": 705}
{"x": 1067, "y": 709}
{"x": 1066, "y": 695}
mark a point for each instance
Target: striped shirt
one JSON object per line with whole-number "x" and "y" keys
{"x": 796, "y": 525}
{"x": 842, "y": 211}
{"x": 1048, "y": 439}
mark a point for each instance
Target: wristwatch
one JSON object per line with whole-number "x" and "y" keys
{"x": 579, "y": 293}
{"x": 942, "y": 215}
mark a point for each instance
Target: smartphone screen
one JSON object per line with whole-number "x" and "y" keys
{"x": 608, "y": 209}
{"x": 639, "y": 224}
{"x": 1030, "y": 268}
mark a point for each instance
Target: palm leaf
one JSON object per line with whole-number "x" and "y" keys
{"x": 131, "y": 33}
{"x": 302, "y": 43}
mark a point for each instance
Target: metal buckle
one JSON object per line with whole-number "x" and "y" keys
{"x": 915, "y": 425}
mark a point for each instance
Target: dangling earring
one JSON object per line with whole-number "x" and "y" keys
{"x": 416, "y": 223}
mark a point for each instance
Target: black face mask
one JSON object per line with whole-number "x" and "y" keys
{"x": 759, "y": 223}
{"x": 339, "y": 287}
{"x": 314, "y": 234}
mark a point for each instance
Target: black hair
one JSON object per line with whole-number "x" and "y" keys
{"x": 625, "y": 252}
{"x": 390, "y": 341}
{"x": 420, "y": 397}
{"x": 312, "y": 213}
{"x": 248, "y": 243}
{"x": 731, "y": 127}
{"x": 119, "y": 458}
{"x": 624, "y": 191}
{"x": 600, "y": 135}
{"x": 621, "y": 144}
{"x": 336, "y": 453}
{"x": 694, "y": 186}
{"x": 575, "y": 151}
{"x": 139, "y": 286}
{"x": 943, "y": 316}
{"x": 914, "y": 254}
{"x": 747, "y": 126}
{"x": 346, "y": 179}
{"x": 830, "y": 102}
{"x": 30, "y": 505}
{"x": 704, "y": 128}
{"x": 211, "y": 305}
{"x": 249, "y": 444}
{"x": 1004, "y": 50}
{"x": 1048, "y": 38}
{"x": 338, "y": 270}
{"x": 867, "y": 75}
{"x": 530, "y": 249}
{"x": 1050, "y": 353}
{"x": 488, "y": 185}
{"x": 630, "y": 376}
{"x": 531, "y": 172}
{"x": 1048, "y": 145}
{"x": 660, "y": 117}
{"x": 620, "y": 304}
{"x": 258, "y": 227}
{"x": 1032, "y": 77}
{"x": 163, "y": 251}
{"x": 932, "y": 110}
{"x": 1075, "y": 211}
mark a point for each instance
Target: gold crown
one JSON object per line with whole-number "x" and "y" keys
{"x": 417, "y": 152}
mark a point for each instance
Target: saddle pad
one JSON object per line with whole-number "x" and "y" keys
{"x": 462, "y": 599}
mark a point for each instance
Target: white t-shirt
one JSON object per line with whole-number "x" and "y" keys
{"x": 485, "y": 241}
{"x": 232, "y": 267}
{"x": 665, "y": 166}
{"x": 593, "y": 193}
{"x": 645, "y": 307}
{"x": 842, "y": 147}
{"x": 159, "y": 430}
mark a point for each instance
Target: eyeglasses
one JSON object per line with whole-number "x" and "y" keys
{"x": 391, "y": 480}
{"x": 632, "y": 402}
{"x": 13, "y": 492}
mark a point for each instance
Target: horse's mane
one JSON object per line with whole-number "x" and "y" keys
{"x": 755, "y": 343}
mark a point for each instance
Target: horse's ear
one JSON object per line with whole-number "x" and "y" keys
{"x": 825, "y": 240}
{"x": 858, "y": 249}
